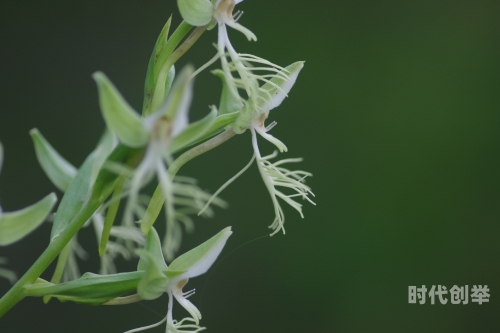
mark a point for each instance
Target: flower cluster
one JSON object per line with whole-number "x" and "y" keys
{"x": 139, "y": 149}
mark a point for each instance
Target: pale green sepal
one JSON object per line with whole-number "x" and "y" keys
{"x": 200, "y": 259}
{"x": 153, "y": 248}
{"x": 153, "y": 282}
{"x": 18, "y": 224}
{"x": 196, "y": 12}
{"x": 120, "y": 118}
{"x": 228, "y": 102}
{"x": 90, "y": 288}
{"x": 194, "y": 131}
{"x": 59, "y": 171}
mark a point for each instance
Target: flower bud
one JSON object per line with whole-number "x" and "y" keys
{"x": 196, "y": 12}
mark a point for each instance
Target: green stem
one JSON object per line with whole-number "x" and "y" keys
{"x": 110, "y": 217}
{"x": 158, "y": 198}
{"x": 16, "y": 293}
{"x": 61, "y": 264}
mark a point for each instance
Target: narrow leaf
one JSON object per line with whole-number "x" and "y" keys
{"x": 79, "y": 188}
{"x": 90, "y": 286}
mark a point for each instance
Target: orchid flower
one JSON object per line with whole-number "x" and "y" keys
{"x": 250, "y": 69}
{"x": 271, "y": 95}
{"x": 158, "y": 131}
{"x": 159, "y": 279}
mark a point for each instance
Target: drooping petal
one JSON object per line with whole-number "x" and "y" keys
{"x": 186, "y": 304}
{"x": 281, "y": 146}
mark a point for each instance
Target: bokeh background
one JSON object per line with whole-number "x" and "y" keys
{"x": 396, "y": 114}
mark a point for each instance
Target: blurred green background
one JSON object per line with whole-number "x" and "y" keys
{"x": 396, "y": 114}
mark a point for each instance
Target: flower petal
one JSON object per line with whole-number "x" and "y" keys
{"x": 200, "y": 259}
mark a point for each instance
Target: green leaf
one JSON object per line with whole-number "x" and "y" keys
{"x": 194, "y": 131}
{"x": 59, "y": 171}
{"x": 200, "y": 259}
{"x": 228, "y": 102}
{"x": 153, "y": 248}
{"x": 119, "y": 115}
{"x": 90, "y": 288}
{"x": 18, "y": 224}
{"x": 79, "y": 188}
{"x": 196, "y": 12}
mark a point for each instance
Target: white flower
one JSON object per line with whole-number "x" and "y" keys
{"x": 271, "y": 95}
{"x": 158, "y": 278}
{"x": 157, "y": 132}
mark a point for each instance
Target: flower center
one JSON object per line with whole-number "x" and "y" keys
{"x": 225, "y": 9}
{"x": 161, "y": 129}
